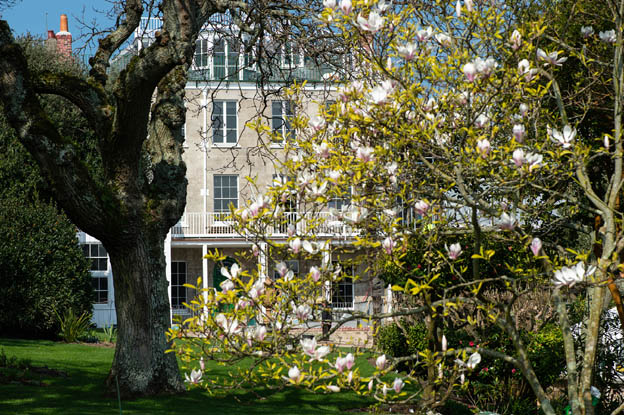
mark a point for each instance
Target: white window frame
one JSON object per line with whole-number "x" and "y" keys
{"x": 214, "y": 195}
{"x": 179, "y": 307}
{"x": 292, "y": 53}
{"x": 284, "y": 105}
{"x": 98, "y": 274}
{"x": 344, "y": 305}
{"x": 225, "y": 104}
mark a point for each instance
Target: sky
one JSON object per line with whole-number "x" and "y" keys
{"x": 30, "y": 16}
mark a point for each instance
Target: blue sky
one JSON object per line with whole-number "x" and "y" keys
{"x": 30, "y": 16}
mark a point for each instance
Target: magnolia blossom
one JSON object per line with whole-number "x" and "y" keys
{"x": 309, "y": 346}
{"x": 321, "y": 150}
{"x": 303, "y": 312}
{"x": 570, "y": 276}
{"x": 195, "y": 377}
{"x": 444, "y": 343}
{"x": 388, "y": 245}
{"x": 384, "y": 390}
{"x": 608, "y": 36}
{"x": 485, "y": 67}
{"x": 536, "y": 246}
{"x": 294, "y": 374}
{"x": 345, "y": 6}
{"x": 424, "y": 35}
{"x": 408, "y": 52}
{"x": 232, "y": 273}
{"x": 318, "y": 191}
{"x": 398, "y": 384}
{"x": 534, "y": 160}
{"x": 341, "y": 363}
{"x": 421, "y": 207}
{"x": 551, "y": 58}
{"x": 349, "y": 361}
{"x": 518, "y": 132}
{"x": 482, "y": 120}
{"x": 255, "y": 249}
{"x": 605, "y": 142}
{"x": 507, "y": 222}
{"x": 524, "y": 108}
{"x": 315, "y": 273}
{"x": 444, "y": 39}
{"x": 260, "y": 333}
{"x": 365, "y": 154}
{"x": 515, "y": 40}
{"x": 226, "y": 285}
{"x": 333, "y": 388}
{"x": 518, "y": 157}
{"x": 458, "y": 8}
{"x": 321, "y": 352}
{"x": 372, "y": 24}
{"x": 470, "y": 70}
{"x": 587, "y": 31}
{"x": 454, "y": 251}
{"x": 329, "y": 4}
{"x": 370, "y": 385}
{"x": 381, "y": 362}
{"x": 483, "y": 147}
{"x": 473, "y": 360}
{"x": 524, "y": 68}
{"x": 316, "y": 123}
{"x": 564, "y": 137}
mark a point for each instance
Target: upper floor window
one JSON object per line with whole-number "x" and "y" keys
{"x": 342, "y": 290}
{"x": 339, "y": 201}
{"x": 98, "y": 256}
{"x": 291, "y": 57}
{"x": 220, "y": 56}
{"x": 224, "y": 123}
{"x": 225, "y": 192}
{"x": 282, "y": 113}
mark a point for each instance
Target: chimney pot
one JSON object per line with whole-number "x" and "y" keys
{"x": 64, "y": 27}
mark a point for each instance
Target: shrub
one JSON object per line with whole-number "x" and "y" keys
{"x": 404, "y": 340}
{"x": 72, "y": 326}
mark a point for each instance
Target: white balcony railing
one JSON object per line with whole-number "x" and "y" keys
{"x": 217, "y": 225}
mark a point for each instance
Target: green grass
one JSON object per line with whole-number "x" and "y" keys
{"x": 82, "y": 392}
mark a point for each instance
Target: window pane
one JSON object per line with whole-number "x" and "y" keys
{"x": 94, "y": 250}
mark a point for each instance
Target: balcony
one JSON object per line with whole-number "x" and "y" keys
{"x": 217, "y": 225}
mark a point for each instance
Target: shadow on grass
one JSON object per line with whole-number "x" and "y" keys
{"x": 82, "y": 392}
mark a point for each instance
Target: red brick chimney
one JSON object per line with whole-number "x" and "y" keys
{"x": 64, "y": 39}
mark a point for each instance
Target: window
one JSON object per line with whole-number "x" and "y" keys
{"x": 218, "y": 55}
{"x": 100, "y": 288}
{"x": 202, "y": 53}
{"x": 281, "y": 117}
{"x": 339, "y": 201}
{"x": 98, "y": 256}
{"x": 291, "y": 57}
{"x": 342, "y": 291}
{"x": 178, "y": 279}
{"x": 226, "y": 55}
{"x": 224, "y": 123}
{"x": 225, "y": 192}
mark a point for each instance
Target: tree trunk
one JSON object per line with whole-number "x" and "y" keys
{"x": 140, "y": 365}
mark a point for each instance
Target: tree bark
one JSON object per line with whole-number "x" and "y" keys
{"x": 140, "y": 364}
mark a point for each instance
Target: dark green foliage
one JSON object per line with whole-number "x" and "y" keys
{"x": 42, "y": 268}
{"x": 395, "y": 341}
{"x": 73, "y": 326}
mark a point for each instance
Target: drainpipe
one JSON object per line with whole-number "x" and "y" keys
{"x": 205, "y": 148}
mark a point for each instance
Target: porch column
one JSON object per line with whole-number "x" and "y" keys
{"x": 168, "y": 271}
{"x": 262, "y": 261}
{"x": 205, "y": 275}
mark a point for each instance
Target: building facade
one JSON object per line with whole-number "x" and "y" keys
{"x": 221, "y": 151}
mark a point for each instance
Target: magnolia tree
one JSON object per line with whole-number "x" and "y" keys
{"x": 448, "y": 137}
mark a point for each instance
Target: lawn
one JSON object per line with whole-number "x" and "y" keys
{"x": 82, "y": 392}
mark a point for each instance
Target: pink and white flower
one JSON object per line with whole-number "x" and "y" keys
{"x": 507, "y": 222}
{"x": 551, "y": 58}
{"x": 388, "y": 245}
{"x": 587, "y": 31}
{"x": 518, "y": 132}
{"x": 421, "y": 207}
{"x": 570, "y": 276}
{"x": 345, "y": 6}
{"x": 397, "y": 385}
{"x": 470, "y": 71}
{"x": 454, "y": 251}
{"x": 483, "y": 147}
{"x": 373, "y": 23}
{"x": 564, "y": 137}
{"x": 294, "y": 374}
{"x": 381, "y": 362}
{"x": 515, "y": 40}
{"x": 315, "y": 273}
{"x": 424, "y": 35}
{"x": 608, "y": 36}
{"x": 195, "y": 377}
{"x": 365, "y": 154}
{"x": 408, "y": 51}
{"x": 518, "y": 157}
{"x": 536, "y": 246}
